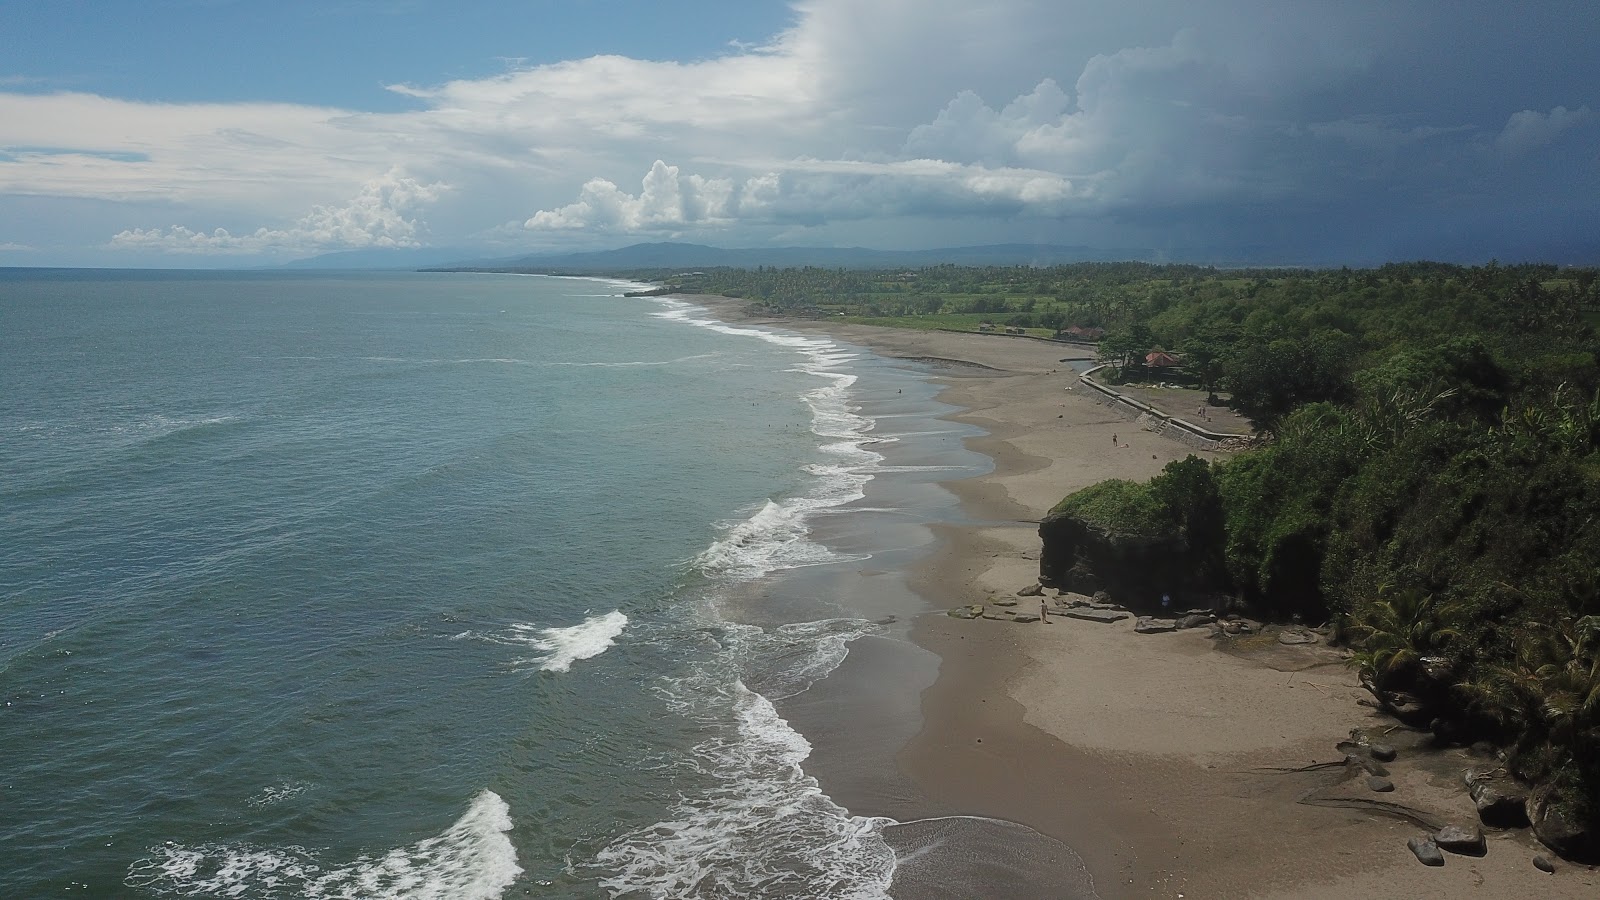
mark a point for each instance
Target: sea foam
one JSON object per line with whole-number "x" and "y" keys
{"x": 766, "y": 830}
{"x": 473, "y": 859}
{"x": 565, "y": 646}
{"x": 763, "y": 827}
{"x": 776, "y": 535}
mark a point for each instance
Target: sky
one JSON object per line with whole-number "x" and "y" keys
{"x": 243, "y": 133}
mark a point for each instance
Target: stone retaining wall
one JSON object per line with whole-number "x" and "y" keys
{"x": 1151, "y": 419}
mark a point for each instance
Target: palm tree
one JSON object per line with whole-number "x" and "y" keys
{"x": 1551, "y": 690}
{"x": 1399, "y": 636}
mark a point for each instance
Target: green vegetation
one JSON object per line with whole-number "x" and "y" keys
{"x": 1431, "y": 484}
{"x": 1126, "y": 507}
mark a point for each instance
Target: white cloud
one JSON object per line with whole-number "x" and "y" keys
{"x": 1032, "y": 111}
{"x": 375, "y": 217}
{"x": 664, "y": 202}
{"x": 808, "y": 191}
{"x": 14, "y": 247}
{"x": 1529, "y": 129}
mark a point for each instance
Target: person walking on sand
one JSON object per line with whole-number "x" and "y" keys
{"x": 1114, "y": 441}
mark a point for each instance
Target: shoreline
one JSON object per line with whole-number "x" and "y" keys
{"x": 1159, "y": 760}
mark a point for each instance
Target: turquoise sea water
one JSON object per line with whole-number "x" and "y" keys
{"x": 412, "y": 585}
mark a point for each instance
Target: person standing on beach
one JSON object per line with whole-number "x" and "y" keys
{"x": 1044, "y": 611}
{"x": 1113, "y": 439}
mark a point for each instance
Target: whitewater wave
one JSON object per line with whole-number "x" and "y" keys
{"x": 767, "y": 829}
{"x": 777, "y": 535}
{"x": 564, "y": 646}
{"x": 473, "y": 859}
{"x": 763, "y": 827}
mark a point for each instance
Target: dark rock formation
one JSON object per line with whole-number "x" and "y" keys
{"x": 1194, "y": 621}
{"x": 1137, "y": 570}
{"x": 1543, "y": 864}
{"x": 1500, "y": 804}
{"x": 1427, "y": 852}
{"x": 1559, "y": 830}
{"x": 1383, "y": 752}
{"x": 1381, "y": 785}
{"x": 1466, "y": 840}
{"x": 1032, "y": 590}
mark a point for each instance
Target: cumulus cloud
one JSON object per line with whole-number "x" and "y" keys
{"x": 1529, "y": 129}
{"x": 1019, "y": 113}
{"x": 808, "y": 191}
{"x": 665, "y": 201}
{"x": 374, "y": 218}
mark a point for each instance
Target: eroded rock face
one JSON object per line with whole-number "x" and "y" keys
{"x": 1136, "y": 570}
{"x": 1500, "y": 802}
{"x": 1561, "y": 832}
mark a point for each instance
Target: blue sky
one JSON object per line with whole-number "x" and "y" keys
{"x": 216, "y": 133}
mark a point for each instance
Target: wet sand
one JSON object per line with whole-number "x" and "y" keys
{"x": 1164, "y": 762}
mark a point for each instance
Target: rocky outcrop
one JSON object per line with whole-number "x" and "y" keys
{"x": 1136, "y": 570}
{"x": 1561, "y": 831}
{"x": 1499, "y": 802}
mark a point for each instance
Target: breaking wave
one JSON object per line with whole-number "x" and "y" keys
{"x": 473, "y": 859}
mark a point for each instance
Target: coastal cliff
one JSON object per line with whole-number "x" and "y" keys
{"x": 1135, "y": 569}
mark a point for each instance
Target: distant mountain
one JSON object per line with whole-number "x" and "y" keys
{"x": 384, "y": 258}
{"x": 699, "y": 256}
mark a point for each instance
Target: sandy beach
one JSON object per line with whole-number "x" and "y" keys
{"x": 1174, "y": 765}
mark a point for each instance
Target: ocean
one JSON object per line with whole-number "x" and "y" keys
{"x": 441, "y": 586}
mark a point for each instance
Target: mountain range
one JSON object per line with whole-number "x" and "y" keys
{"x": 668, "y": 255}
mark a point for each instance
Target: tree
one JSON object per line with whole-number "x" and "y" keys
{"x": 1270, "y": 380}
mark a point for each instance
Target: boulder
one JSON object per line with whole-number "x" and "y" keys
{"x": 1005, "y": 601}
{"x": 1562, "y": 832}
{"x": 1382, "y": 752}
{"x": 1101, "y": 597}
{"x": 1426, "y": 851}
{"x": 1194, "y": 621}
{"x": 1095, "y": 615}
{"x": 996, "y": 614}
{"x": 1032, "y": 590}
{"x": 967, "y": 612}
{"x": 1149, "y": 625}
{"x": 1543, "y": 864}
{"x": 1497, "y": 807}
{"x": 1466, "y": 840}
{"x": 1379, "y": 784}
{"x": 1023, "y": 617}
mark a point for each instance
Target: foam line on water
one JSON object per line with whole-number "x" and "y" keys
{"x": 473, "y": 859}
{"x": 776, "y": 535}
